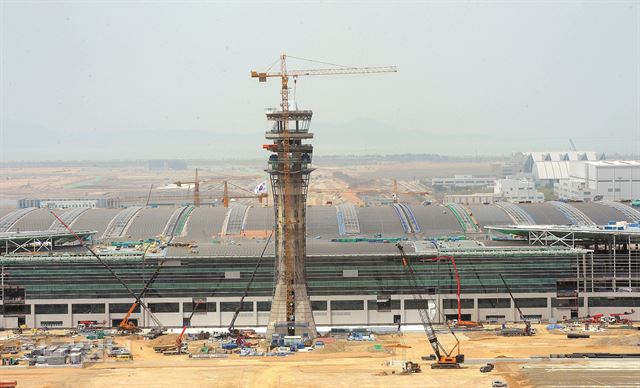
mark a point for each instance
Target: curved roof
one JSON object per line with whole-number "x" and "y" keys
{"x": 436, "y": 221}
{"x": 39, "y": 219}
{"x": 205, "y": 223}
{"x": 381, "y": 219}
{"x": 261, "y": 218}
{"x": 599, "y": 213}
{"x": 149, "y": 222}
{"x": 490, "y": 215}
{"x": 95, "y": 219}
{"x": 322, "y": 221}
{"x": 545, "y": 214}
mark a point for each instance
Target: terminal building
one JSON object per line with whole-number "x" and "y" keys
{"x": 557, "y": 261}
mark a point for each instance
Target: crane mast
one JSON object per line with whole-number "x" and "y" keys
{"x": 289, "y": 171}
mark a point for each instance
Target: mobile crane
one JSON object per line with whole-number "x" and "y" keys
{"x": 528, "y": 330}
{"x": 108, "y": 267}
{"x": 232, "y": 330}
{"x": 444, "y": 359}
{"x": 126, "y": 326}
{"x": 179, "y": 346}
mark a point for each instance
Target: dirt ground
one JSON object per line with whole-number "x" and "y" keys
{"x": 343, "y": 364}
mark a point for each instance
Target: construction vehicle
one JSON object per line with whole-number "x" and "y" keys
{"x": 108, "y": 267}
{"x": 487, "y": 368}
{"x": 232, "y": 331}
{"x": 444, "y": 359}
{"x": 411, "y": 367}
{"x": 124, "y": 357}
{"x": 514, "y": 332}
{"x": 20, "y": 329}
{"x": 90, "y": 325}
{"x": 619, "y": 317}
{"x": 128, "y": 327}
{"x": 180, "y": 347}
{"x": 614, "y": 318}
{"x": 459, "y": 322}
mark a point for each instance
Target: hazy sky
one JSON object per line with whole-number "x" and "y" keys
{"x": 125, "y": 80}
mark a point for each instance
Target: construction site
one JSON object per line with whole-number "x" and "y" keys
{"x": 242, "y": 287}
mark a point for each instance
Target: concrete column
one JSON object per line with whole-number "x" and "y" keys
{"x": 476, "y": 310}
{"x": 366, "y": 311}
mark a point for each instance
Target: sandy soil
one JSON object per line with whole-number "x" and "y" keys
{"x": 133, "y": 182}
{"x": 344, "y": 364}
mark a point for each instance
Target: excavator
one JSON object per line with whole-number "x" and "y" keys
{"x": 444, "y": 359}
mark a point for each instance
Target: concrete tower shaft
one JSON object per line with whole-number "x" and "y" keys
{"x": 289, "y": 170}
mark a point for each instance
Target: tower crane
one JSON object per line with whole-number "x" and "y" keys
{"x": 196, "y": 188}
{"x": 226, "y": 197}
{"x": 283, "y": 150}
{"x": 396, "y": 192}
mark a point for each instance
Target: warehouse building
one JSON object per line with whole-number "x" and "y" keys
{"x": 613, "y": 180}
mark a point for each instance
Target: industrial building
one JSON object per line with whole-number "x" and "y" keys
{"x": 462, "y": 181}
{"x": 517, "y": 191}
{"x": 354, "y": 273}
{"x": 613, "y": 180}
{"x": 69, "y": 203}
{"x": 471, "y": 199}
{"x": 549, "y": 167}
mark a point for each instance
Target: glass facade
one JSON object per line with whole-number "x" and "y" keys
{"x": 164, "y": 307}
{"x": 343, "y": 305}
{"x": 453, "y": 303}
{"x": 122, "y": 308}
{"x": 88, "y": 308}
{"x": 62, "y": 278}
{"x": 52, "y": 308}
